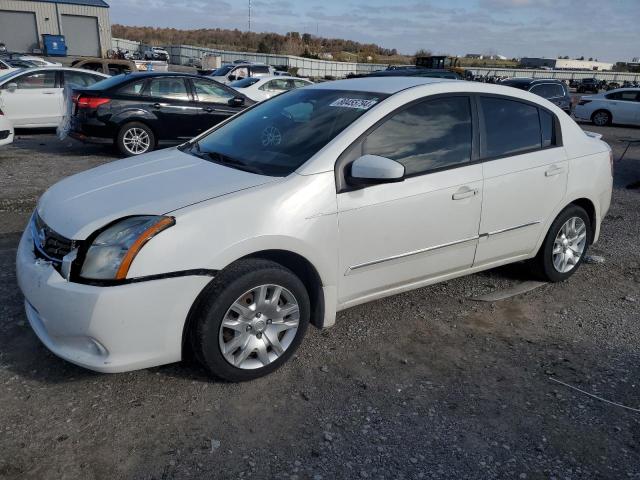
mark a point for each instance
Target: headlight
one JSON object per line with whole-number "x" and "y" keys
{"x": 111, "y": 253}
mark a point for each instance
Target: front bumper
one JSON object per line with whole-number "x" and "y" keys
{"x": 107, "y": 329}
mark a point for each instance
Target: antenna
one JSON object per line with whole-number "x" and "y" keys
{"x": 249, "y": 16}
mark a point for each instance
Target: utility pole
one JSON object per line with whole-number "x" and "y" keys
{"x": 249, "y": 16}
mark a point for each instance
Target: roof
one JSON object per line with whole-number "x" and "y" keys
{"x": 89, "y": 3}
{"x": 529, "y": 81}
{"x": 389, "y": 85}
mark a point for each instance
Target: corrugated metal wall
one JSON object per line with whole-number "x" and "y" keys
{"x": 48, "y": 21}
{"x": 560, "y": 74}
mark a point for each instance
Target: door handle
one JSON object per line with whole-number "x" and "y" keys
{"x": 553, "y": 171}
{"x": 156, "y": 105}
{"x": 208, "y": 109}
{"x": 48, "y": 93}
{"x": 464, "y": 192}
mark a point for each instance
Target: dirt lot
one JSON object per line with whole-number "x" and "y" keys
{"x": 428, "y": 384}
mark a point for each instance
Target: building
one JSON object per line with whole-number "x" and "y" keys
{"x": 564, "y": 64}
{"x": 84, "y": 23}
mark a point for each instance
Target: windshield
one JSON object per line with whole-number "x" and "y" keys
{"x": 222, "y": 71}
{"x": 244, "y": 83}
{"x": 278, "y": 136}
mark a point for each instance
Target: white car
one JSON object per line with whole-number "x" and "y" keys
{"x": 34, "y": 97}
{"x": 6, "y": 130}
{"x": 39, "y": 61}
{"x": 10, "y": 65}
{"x": 238, "y": 71}
{"x": 262, "y": 88}
{"x": 620, "y": 106}
{"x": 156, "y": 53}
{"x": 312, "y": 202}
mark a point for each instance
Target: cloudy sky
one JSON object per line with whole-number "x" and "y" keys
{"x": 604, "y": 29}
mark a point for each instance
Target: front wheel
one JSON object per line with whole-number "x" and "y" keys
{"x": 135, "y": 138}
{"x": 565, "y": 245}
{"x": 251, "y": 320}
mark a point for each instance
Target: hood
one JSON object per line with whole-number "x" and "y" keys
{"x": 152, "y": 184}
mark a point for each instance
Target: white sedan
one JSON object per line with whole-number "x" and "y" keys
{"x": 34, "y": 97}
{"x": 621, "y": 106}
{"x": 312, "y": 202}
{"x": 39, "y": 61}
{"x": 6, "y": 130}
{"x": 261, "y": 88}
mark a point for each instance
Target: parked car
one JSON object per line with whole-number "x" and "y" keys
{"x": 554, "y": 90}
{"x": 8, "y": 65}
{"x": 237, "y": 71}
{"x": 415, "y": 72}
{"x": 139, "y": 110}
{"x": 34, "y": 97}
{"x": 587, "y": 85}
{"x": 317, "y": 200}
{"x": 108, "y": 66}
{"x": 6, "y": 129}
{"x": 39, "y": 61}
{"x": 156, "y": 53}
{"x": 261, "y": 88}
{"x": 616, "y": 106}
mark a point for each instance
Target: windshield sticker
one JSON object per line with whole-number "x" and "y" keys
{"x": 359, "y": 103}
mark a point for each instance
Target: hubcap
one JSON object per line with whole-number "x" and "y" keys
{"x": 259, "y": 327}
{"x": 569, "y": 244}
{"x": 136, "y": 141}
{"x": 601, "y": 118}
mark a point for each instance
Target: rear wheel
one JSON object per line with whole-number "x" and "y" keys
{"x": 601, "y": 118}
{"x": 565, "y": 245}
{"x": 135, "y": 138}
{"x": 252, "y": 319}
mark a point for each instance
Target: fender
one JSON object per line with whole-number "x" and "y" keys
{"x": 133, "y": 114}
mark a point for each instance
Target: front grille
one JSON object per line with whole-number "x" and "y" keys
{"x": 49, "y": 244}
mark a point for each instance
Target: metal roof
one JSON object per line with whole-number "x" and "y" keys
{"x": 90, "y": 3}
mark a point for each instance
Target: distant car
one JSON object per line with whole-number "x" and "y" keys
{"x": 237, "y": 71}
{"x": 39, "y": 61}
{"x": 8, "y": 65}
{"x": 616, "y": 106}
{"x": 34, "y": 97}
{"x": 156, "y": 53}
{"x": 587, "y": 85}
{"x": 6, "y": 130}
{"x": 139, "y": 110}
{"x": 415, "y": 72}
{"x": 108, "y": 66}
{"x": 262, "y": 88}
{"x": 550, "y": 88}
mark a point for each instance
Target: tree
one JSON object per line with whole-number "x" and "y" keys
{"x": 263, "y": 48}
{"x": 423, "y": 53}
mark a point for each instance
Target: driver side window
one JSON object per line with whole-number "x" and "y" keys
{"x": 37, "y": 80}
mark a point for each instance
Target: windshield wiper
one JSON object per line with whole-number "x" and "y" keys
{"x": 226, "y": 160}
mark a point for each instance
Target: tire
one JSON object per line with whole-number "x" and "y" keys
{"x": 543, "y": 264}
{"x": 601, "y": 118}
{"x": 257, "y": 343}
{"x": 131, "y": 131}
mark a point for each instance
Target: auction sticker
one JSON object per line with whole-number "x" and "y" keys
{"x": 359, "y": 103}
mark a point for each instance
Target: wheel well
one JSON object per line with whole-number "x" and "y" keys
{"x": 305, "y": 272}
{"x": 602, "y": 110}
{"x": 590, "y": 209}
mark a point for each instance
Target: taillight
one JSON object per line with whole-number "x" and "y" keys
{"x": 584, "y": 102}
{"x": 91, "y": 102}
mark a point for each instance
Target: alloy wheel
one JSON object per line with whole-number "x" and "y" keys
{"x": 259, "y": 327}
{"x": 569, "y": 245}
{"x": 601, "y": 119}
{"x": 136, "y": 141}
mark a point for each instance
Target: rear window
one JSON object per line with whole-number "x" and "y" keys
{"x": 132, "y": 88}
{"x": 110, "y": 82}
{"x": 511, "y": 127}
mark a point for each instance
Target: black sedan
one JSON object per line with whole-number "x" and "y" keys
{"x": 552, "y": 89}
{"x": 137, "y": 111}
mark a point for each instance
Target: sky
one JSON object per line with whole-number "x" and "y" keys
{"x": 605, "y": 29}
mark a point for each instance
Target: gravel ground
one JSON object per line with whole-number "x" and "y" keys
{"x": 427, "y": 384}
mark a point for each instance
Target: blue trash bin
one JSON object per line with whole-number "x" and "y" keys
{"x": 54, "y": 45}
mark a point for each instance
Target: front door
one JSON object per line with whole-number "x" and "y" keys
{"x": 624, "y": 106}
{"x": 525, "y": 177}
{"x": 213, "y": 103}
{"x": 36, "y": 102}
{"x": 399, "y": 234}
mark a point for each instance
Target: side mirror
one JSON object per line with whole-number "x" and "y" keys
{"x": 373, "y": 169}
{"x": 12, "y": 87}
{"x": 236, "y": 102}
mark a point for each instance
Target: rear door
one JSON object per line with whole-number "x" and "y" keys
{"x": 37, "y": 101}
{"x": 172, "y": 103}
{"x": 624, "y": 106}
{"x": 212, "y": 100}
{"x": 525, "y": 176}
